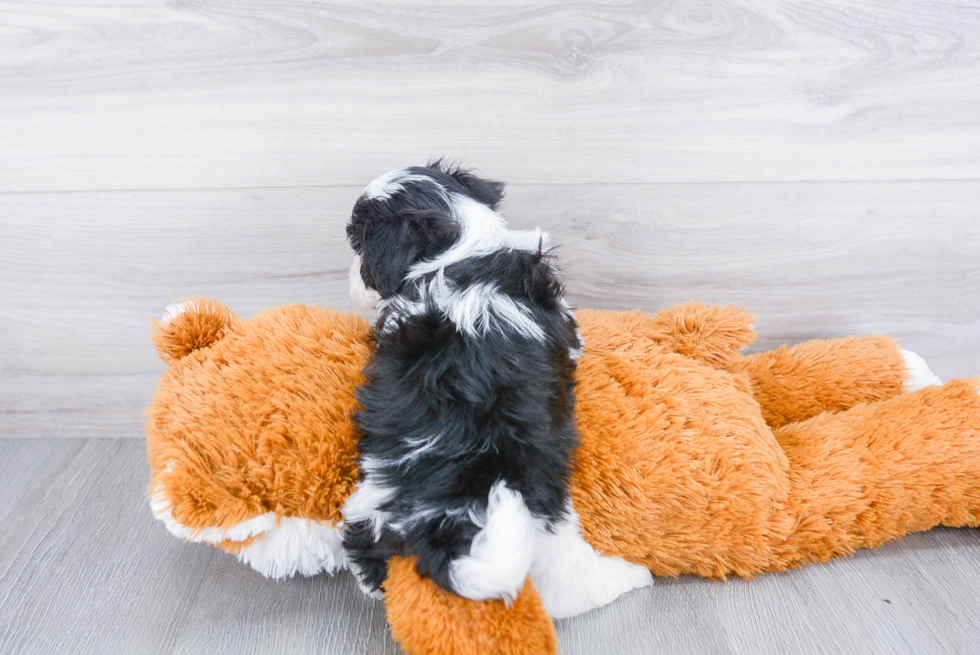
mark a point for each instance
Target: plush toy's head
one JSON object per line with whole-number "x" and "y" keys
{"x": 250, "y": 439}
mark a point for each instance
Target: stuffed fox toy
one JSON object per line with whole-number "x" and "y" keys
{"x": 692, "y": 458}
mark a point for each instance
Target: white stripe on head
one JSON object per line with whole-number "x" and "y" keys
{"x": 501, "y": 552}
{"x": 385, "y": 186}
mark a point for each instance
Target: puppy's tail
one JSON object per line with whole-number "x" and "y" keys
{"x": 501, "y": 552}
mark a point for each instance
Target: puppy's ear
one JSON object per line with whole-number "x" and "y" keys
{"x": 489, "y": 192}
{"x": 390, "y": 250}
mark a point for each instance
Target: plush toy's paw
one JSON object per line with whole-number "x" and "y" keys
{"x": 919, "y": 376}
{"x": 427, "y": 620}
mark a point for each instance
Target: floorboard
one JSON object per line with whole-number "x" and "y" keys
{"x": 85, "y": 568}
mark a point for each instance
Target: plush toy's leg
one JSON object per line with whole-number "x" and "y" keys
{"x": 712, "y": 335}
{"x": 427, "y": 620}
{"x": 709, "y": 333}
{"x": 794, "y": 384}
{"x": 881, "y": 470}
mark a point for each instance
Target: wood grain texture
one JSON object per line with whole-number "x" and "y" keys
{"x": 811, "y": 260}
{"x": 202, "y": 94}
{"x": 85, "y": 568}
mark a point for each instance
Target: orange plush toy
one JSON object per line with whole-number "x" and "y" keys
{"x": 693, "y": 458}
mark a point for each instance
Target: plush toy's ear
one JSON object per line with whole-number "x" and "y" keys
{"x": 390, "y": 249}
{"x": 489, "y": 192}
{"x": 427, "y": 620}
{"x": 189, "y": 325}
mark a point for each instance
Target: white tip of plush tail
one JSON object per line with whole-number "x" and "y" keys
{"x": 174, "y": 310}
{"x": 919, "y": 376}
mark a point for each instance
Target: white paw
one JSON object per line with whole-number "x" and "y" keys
{"x": 919, "y": 376}
{"x": 355, "y": 570}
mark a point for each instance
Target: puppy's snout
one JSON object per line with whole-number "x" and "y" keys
{"x": 366, "y": 299}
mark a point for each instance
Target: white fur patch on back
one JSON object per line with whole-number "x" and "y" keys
{"x": 573, "y": 578}
{"x": 476, "y": 310}
{"x": 480, "y": 309}
{"x": 919, "y": 376}
{"x": 502, "y": 551}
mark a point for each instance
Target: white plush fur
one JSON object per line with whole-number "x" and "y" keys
{"x": 173, "y": 310}
{"x": 573, "y": 578}
{"x": 282, "y": 549}
{"x": 502, "y": 551}
{"x": 919, "y": 375}
{"x": 160, "y": 505}
{"x": 296, "y": 546}
{"x": 366, "y": 299}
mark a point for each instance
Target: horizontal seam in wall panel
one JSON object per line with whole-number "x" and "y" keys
{"x": 509, "y": 184}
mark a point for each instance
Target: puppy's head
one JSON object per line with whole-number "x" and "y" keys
{"x": 410, "y": 215}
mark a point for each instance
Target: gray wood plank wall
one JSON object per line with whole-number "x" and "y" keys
{"x": 812, "y": 161}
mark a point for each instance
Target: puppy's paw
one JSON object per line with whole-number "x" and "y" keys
{"x": 363, "y": 583}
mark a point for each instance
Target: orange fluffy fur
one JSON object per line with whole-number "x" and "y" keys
{"x": 693, "y": 458}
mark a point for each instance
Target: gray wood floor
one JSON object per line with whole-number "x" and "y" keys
{"x": 814, "y": 161}
{"x": 85, "y": 568}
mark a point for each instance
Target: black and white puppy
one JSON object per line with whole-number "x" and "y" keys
{"x": 467, "y": 412}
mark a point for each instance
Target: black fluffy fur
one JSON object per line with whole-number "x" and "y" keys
{"x": 502, "y": 403}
